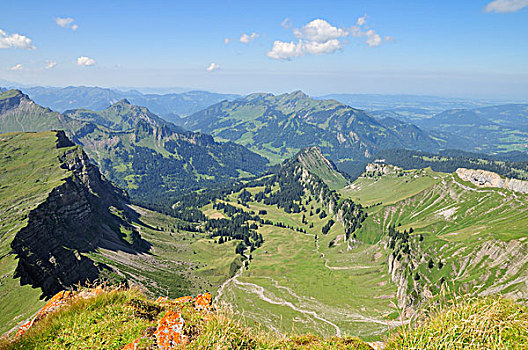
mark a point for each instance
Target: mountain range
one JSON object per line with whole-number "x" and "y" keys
{"x": 272, "y": 242}
{"x": 136, "y": 149}
{"x": 486, "y": 130}
{"x": 170, "y": 106}
{"x": 279, "y": 126}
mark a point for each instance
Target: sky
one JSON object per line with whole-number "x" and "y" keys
{"x": 470, "y": 48}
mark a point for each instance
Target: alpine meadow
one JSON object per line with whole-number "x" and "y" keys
{"x": 299, "y": 175}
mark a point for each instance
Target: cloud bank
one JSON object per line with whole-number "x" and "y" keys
{"x": 319, "y": 37}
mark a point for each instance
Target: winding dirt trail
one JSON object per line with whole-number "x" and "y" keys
{"x": 259, "y": 291}
{"x": 304, "y": 305}
{"x": 224, "y": 285}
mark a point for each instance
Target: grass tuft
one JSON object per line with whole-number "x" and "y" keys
{"x": 467, "y": 323}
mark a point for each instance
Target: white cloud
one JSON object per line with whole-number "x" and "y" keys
{"x": 286, "y": 23}
{"x": 373, "y": 39}
{"x": 17, "y": 67}
{"x": 315, "y": 48}
{"x": 15, "y": 41}
{"x": 66, "y": 22}
{"x": 320, "y": 37}
{"x": 504, "y": 6}
{"x": 361, "y": 21}
{"x": 246, "y": 39}
{"x": 212, "y": 67}
{"x": 283, "y": 51}
{"x": 51, "y": 64}
{"x": 319, "y": 31}
{"x": 85, "y": 61}
{"x": 226, "y": 41}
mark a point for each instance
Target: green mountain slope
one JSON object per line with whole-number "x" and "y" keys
{"x": 464, "y": 237}
{"x": 279, "y": 126}
{"x": 313, "y": 160}
{"x": 63, "y": 224}
{"x": 139, "y": 151}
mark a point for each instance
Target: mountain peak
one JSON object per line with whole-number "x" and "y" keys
{"x": 13, "y": 94}
{"x": 313, "y": 155}
{"x": 11, "y": 99}
{"x": 257, "y": 95}
{"x": 313, "y": 160}
{"x": 299, "y": 94}
{"x": 122, "y": 102}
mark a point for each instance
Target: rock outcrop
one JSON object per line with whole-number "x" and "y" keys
{"x": 74, "y": 219}
{"x": 381, "y": 168}
{"x": 484, "y": 178}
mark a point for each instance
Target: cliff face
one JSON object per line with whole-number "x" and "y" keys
{"x": 483, "y": 178}
{"x": 75, "y": 218}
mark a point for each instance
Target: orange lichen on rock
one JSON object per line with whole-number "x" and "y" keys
{"x": 203, "y": 301}
{"x": 132, "y": 346}
{"x": 183, "y": 299}
{"x": 23, "y": 329}
{"x": 170, "y": 331}
{"x": 54, "y": 303}
{"x": 162, "y": 299}
{"x": 57, "y": 301}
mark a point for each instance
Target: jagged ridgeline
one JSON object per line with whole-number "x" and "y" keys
{"x": 309, "y": 172}
{"x": 151, "y": 158}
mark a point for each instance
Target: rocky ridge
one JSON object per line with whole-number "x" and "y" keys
{"x": 74, "y": 219}
{"x": 484, "y": 178}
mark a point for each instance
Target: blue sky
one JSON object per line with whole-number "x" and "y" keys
{"x": 451, "y": 48}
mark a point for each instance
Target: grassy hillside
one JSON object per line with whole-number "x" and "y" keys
{"x": 467, "y": 323}
{"x": 461, "y": 237}
{"x": 455, "y": 235}
{"x": 115, "y": 319}
{"x": 386, "y": 189}
{"x": 295, "y": 280}
{"x": 127, "y": 319}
